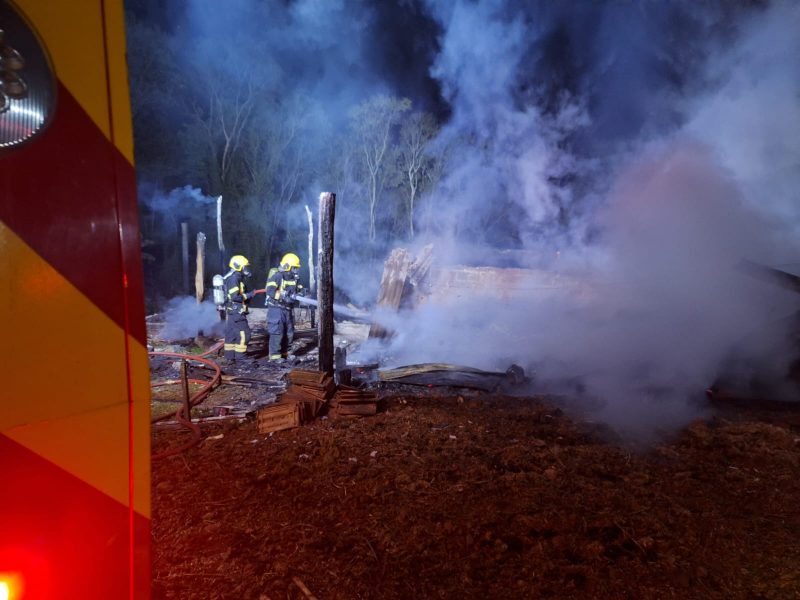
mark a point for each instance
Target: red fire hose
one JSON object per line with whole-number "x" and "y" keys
{"x": 195, "y": 399}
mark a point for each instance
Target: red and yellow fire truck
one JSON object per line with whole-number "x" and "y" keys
{"x": 74, "y": 391}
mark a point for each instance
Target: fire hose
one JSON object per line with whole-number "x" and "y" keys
{"x": 195, "y": 399}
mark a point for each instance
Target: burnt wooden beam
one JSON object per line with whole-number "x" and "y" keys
{"x": 393, "y": 281}
{"x": 401, "y": 284}
{"x": 327, "y": 211}
{"x": 417, "y": 276}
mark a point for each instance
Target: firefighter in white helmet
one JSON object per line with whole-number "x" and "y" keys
{"x": 237, "y": 329}
{"x": 282, "y": 289}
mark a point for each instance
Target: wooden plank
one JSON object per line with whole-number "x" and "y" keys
{"x": 417, "y": 276}
{"x": 311, "y": 394}
{"x": 323, "y": 391}
{"x": 355, "y": 402}
{"x": 393, "y": 281}
{"x": 357, "y": 409}
{"x": 355, "y": 393}
{"x": 310, "y": 377}
{"x": 399, "y": 372}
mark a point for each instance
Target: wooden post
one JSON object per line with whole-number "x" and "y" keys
{"x": 199, "y": 275}
{"x": 187, "y": 406}
{"x": 220, "y": 243}
{"x": 327, "y": 211}
{"x": 312, "y": 285}
{"x": 185, "y": 256}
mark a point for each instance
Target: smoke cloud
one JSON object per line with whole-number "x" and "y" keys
{"x": 182, "y": 199}
{"x": 657, "y": 167}
{"x": 641, "y": 149}
{"x": 184, "y": 318}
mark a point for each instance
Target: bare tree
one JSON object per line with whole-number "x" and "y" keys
{"x": 274, "y": 161}
{"x": 414, "y": 162}
{"x": 152, "y": 70}
{"x": 222, "y": 116}
{"x": 374, "y": 122}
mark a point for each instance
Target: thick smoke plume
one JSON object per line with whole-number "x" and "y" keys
{"x": 184, "y": 318}
{"x": 653, "y": 214}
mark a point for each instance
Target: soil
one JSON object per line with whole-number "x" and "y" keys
{"x": 447, "y": 493}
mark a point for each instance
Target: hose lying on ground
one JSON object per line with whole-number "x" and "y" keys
{"x": 195, "y": 399}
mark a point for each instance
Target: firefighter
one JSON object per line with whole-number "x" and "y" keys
{"x": 281, "y": 289}
{"x": 237, "y": 329}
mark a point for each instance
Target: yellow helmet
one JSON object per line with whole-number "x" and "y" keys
{"x": 238, "y": 262}
{"x": 290, "y": 261}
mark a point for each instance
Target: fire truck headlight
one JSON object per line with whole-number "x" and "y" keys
{"x": 27, "y": 81}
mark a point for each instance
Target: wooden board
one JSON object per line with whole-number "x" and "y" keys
{"x": 364, "y": 409}
{"x": 307, "y": 377}
{"x": 393, "y": 281}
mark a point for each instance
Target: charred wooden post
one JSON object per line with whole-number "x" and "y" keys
{"x": 327, "y": 210}
{"x": 187, "y": 406}
{"x": 185, "y": 256}
{"x": 340, "y": 358}
{"x": 199, "y": 275}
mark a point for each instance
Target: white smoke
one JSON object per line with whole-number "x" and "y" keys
{"x": 184, "y": 318}
{"x": 657, "y": 240}
{"x": 175, "y": 200}
{"x": 751, "y": 120}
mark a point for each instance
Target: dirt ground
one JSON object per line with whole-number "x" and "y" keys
{"x": 454, "y": 494}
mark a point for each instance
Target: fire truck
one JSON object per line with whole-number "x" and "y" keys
{"x": 74, "y": 391}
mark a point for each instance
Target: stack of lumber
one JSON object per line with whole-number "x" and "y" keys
{"x": 310, "y": 389}
{"x": 353, "y": 402}
{"x": 302, "y": 401}
{"x": 281, "y": 415}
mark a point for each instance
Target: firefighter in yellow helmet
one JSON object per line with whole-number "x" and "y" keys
{"x": 237, "y": 329}
{"x": 282, "y": 289}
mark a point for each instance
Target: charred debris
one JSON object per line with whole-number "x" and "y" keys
{"x": 299, "y": 391}
{"x": 289, "y": 394}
